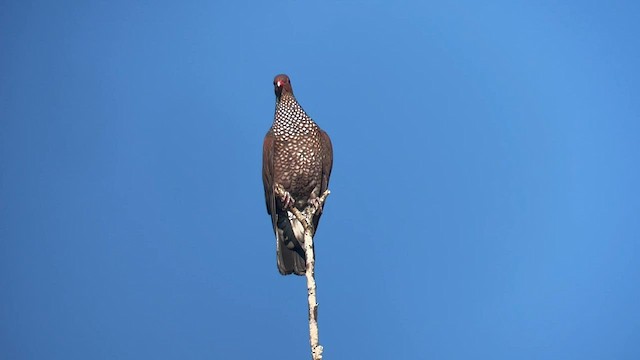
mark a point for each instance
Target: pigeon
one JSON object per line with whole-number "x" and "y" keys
{"x": 298, "y": 156}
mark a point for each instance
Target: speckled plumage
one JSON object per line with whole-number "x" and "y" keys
{"x": 298, "y": 155}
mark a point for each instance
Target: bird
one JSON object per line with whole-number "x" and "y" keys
{"x": 298, "y": 156}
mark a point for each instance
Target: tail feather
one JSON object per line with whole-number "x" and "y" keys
{"x": 289, "y": 248}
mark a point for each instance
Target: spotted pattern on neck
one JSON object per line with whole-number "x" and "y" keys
{"x": 290, "y": 119}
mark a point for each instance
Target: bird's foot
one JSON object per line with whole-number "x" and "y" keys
{"x": 286, "y": 200}
{"x": 317, "y": 205}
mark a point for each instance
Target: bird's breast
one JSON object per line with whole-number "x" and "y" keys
{"x": 298, "y": 164}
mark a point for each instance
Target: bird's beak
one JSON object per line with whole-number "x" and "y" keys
{"x": 279, "y": 83}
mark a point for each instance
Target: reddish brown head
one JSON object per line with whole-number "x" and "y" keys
{"x": 282, "y": 84}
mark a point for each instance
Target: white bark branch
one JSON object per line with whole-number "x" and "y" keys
{"x": 306, "y": 221}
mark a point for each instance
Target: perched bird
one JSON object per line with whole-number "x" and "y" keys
{"x": 298, "y": 155}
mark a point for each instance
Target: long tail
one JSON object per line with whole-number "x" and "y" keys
{"x": 290, "y": 246}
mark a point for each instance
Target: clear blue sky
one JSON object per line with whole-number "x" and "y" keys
{"x": 486, "y": 197}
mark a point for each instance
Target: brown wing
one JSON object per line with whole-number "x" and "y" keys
{"x": 327, "y": 160}
{"x": 267, "y": 175}
{"x": 327, "y": 165}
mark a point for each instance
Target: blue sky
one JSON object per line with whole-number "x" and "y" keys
{"x": 485, "y": 200}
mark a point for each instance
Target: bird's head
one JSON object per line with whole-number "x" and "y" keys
{"x": 282, "y": 85}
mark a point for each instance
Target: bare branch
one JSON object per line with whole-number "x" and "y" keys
{"x": 306, "y": 221}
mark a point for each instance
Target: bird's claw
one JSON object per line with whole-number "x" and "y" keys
{"x": 317, "y": 205}
{"x": 287, "y": 200}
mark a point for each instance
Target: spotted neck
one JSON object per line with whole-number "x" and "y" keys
{"x": 290, "y": 119}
